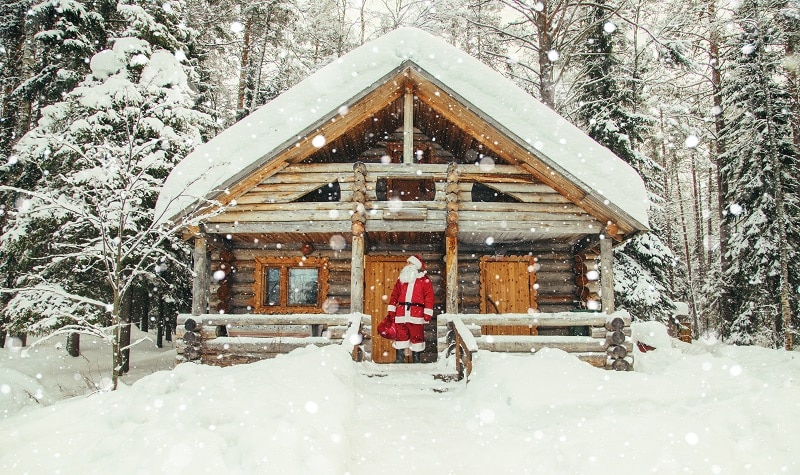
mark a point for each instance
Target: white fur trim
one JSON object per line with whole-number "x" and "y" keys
{"x": 428, "y": 311}
{"x": 391, "y": 308}
{"x": 409, "y": 319}
{"x": 415, "y": 262}
{"x": 401, "y": 345}
{"x": 418, "y": 346}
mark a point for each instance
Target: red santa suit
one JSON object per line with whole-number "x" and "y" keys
{"x": 411, "y": 305}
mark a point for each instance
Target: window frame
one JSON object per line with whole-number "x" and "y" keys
{"x": 263, "y": 263}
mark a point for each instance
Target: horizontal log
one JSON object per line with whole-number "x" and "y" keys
{"x": 554, "y": 227}
{"x": 531, "y": 218}
{"x": 563, "y": 319}
{"x": 301, "y": 330}
{"x": 244, "y": 345}
{"x": 256, "y": 215}
{"x": 529, "y": 344}
{"x": 257, "y": 319}
{"x": 340, "y": 226}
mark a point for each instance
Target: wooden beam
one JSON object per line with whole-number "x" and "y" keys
{"x": 607, "y": 274}
{"x": 408, "y": 125}
{"x": 358, "y": 230}
{"x": 451, "y": 240}
{"x": 201, "y": 279}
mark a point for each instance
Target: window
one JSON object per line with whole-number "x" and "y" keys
{"x": 290, "y": 284}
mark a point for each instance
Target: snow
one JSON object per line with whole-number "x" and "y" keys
{"x": 696, "y": 408}
{"x": 248, "y": 144}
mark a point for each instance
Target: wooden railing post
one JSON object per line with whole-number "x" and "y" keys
{"x": 358, "y": 221}
{"x": 607, "y": 274}
{"x": 451, "y": 240}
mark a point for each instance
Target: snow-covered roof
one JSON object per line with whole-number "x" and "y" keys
{"x": 245, "y": 146}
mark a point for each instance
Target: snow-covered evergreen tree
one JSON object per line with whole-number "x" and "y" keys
{"x": 608, "y": 112}
{"x": 761, "y": 168}
{"x": 102, "y": 154}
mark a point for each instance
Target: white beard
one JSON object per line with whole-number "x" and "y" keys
{"x": 409, "y": 274}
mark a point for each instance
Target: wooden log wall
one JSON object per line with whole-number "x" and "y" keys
{"x": 241, "y": 266}
{"x": 554, "y": 275}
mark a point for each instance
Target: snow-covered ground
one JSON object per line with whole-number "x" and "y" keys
{"x": 705, "y": 408}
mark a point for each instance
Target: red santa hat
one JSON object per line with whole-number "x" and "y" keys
{"x": 416, "y": 261}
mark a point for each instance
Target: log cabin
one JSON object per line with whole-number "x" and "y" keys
{"x": 303, "y": 213}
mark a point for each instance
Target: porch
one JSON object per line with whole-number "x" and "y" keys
{"x": 223, "y": 340}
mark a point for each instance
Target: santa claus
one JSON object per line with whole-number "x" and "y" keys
{"x": 410, "y": 306}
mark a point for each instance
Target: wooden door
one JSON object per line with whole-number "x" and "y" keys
{"x": 380, "y": 274}
{"x": 508, "y": 286}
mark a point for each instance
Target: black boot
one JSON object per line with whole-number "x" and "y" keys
{"x": 415, "y": 356}
{"x": 401, "y": 356}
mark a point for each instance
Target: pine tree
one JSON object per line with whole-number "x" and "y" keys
{"x": 761, "y": 168}
{"x": 608, "y": 110}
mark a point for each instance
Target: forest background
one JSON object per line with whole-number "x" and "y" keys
{"x": 100, "y": 99}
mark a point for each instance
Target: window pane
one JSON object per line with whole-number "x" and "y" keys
{"x": 303, "y": 286}
{"x": 273, "y": 284}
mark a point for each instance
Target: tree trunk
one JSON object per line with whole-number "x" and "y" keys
{"x": 125, "y": 333}
{"x": 244, "y": 66}
{"x": 546, "y": 88}
{"x": 74, "y": 344}
{"x": 160, "y": 324}
{"x": 724, "y": 304}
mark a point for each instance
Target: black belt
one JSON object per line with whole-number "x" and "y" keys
{"x": 408, "y": 305}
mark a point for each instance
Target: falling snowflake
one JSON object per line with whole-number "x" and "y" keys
{"x": 219, "y": 275}
{"x": 748, "y": 49}
{"x": 486, "y": 164}
{"x": 735, "y": 209}
{"x": 552, "y": 55}
{"x": 338, "y": 242}
{"x": 609, "y": 27}
{"x": 691, "y": 141}
{"x": 237, "y": 27}
{"x": 318, "y": 141}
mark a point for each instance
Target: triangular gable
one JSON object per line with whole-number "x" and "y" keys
{"x": 534, "y": 137}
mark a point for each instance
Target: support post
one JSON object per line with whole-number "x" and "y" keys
{"x": 451, "y": 240}
{"x": 201, "y": 281}
{"x": 408, "y": 125}
{"x": 357, "y": 227}
{"x": 607, "y": 274}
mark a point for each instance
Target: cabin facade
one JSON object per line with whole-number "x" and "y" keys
{"x": 310, "y": 207}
